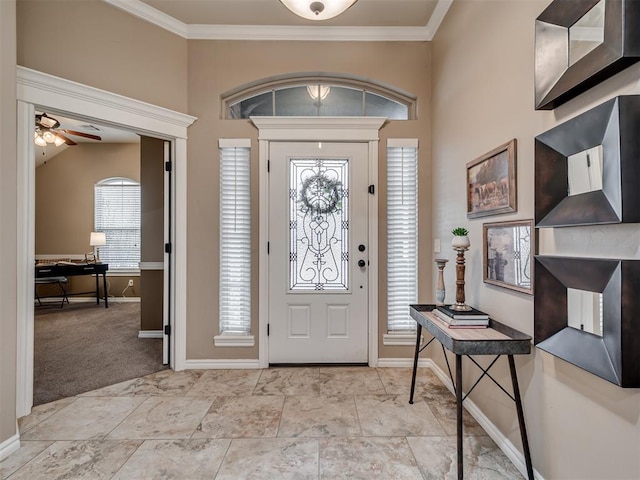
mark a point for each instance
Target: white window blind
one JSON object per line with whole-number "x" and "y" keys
{"x": 402, "y": 233}
{"x": 235, "y": 237}
{"x": 117, "y": 214}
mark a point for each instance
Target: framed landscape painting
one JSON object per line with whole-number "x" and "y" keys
{"x": 491, "y": 182}
{"x": 507, "y": 254}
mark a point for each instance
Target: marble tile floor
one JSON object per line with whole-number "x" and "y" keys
{"x": 276, "y": 423}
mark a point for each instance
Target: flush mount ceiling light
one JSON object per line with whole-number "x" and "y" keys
{"x": 317, "y": 10}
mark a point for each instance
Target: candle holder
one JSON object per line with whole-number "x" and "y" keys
{"x": 460, "y": 306}
{"x": 440, "y": 290}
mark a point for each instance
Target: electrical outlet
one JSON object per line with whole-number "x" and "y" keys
{"x": 131, "y": 283}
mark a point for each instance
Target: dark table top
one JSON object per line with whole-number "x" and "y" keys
{"x": 64, "y": 269}
{"x": 497, "y": 339}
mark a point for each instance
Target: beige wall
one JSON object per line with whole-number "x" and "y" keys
{"x": 218, "y": 66}
{"x": 8, "y": 220}
{"x": 65, "y": 205}
{"x": 580, "y": 427}
{"x": 99, "y": 45}
{"x": 152, "y": 231}
{"x": 151, "y": 288}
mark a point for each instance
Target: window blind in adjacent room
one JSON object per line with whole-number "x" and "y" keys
{"x": 117, "y": 214}
{"x": 235, "y": 237}
{"x": 402, "y": 233}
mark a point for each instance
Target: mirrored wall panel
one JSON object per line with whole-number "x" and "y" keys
{"x": 587, "y": 33}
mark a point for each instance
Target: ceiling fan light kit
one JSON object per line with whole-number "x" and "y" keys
{"x": 48, "y": 131}
{"x": 318, "y": 10}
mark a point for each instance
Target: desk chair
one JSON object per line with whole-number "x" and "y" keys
{"x": 60, "y": 281}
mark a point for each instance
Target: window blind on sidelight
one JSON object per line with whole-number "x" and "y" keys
{"x": 402, "y": 233}
{"x": 235, "y": 236}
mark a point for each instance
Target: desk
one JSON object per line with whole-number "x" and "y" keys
{"x": 66, "y": 270}
{"x": 496, "y": 340}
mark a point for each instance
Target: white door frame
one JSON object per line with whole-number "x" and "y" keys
{"x": 317, "y": 129}
{"x": 57, "y": 95}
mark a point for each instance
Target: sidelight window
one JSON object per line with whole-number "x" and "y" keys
{"x": 402, "y": 233}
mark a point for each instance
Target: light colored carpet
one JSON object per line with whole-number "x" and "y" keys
{"x": 82, "y": 347}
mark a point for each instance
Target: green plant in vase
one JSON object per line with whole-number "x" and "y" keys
{"x": 460, "y": 238}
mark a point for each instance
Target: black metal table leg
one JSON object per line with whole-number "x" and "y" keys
{"x": 459, "y": 416}
{"x": 415, "y": 364}
{"x": 523, "y": 428}
{"x": 97, "y": 289}
{"x": 104, "y": 285}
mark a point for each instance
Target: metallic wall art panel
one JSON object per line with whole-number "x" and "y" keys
{"x": 613, "y": 126}
{"x": 580, "y": 43}
{"x": 612, "y": 355}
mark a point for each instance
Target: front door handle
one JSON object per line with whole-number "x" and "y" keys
{"x": 361, "y": 263}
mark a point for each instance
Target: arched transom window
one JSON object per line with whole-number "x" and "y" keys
{"x": 318, "y": 96}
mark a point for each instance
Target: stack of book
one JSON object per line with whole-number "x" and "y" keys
{"x": 456, "y": 319}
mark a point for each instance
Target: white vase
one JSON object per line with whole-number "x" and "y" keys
{"x": 460, "y": 241}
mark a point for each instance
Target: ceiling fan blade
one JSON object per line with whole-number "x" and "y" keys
{"x": 80, "y": 134}
{"x": 67, "y": 140}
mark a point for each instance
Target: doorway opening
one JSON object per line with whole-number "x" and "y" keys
{"x": 107, "y": 184}
{"x": 42, "y": 92}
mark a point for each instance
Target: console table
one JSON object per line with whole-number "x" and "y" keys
{"x": 69, "y": 270}
{"x": 496, "y": 340}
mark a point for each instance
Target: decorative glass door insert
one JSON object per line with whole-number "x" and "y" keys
{"x": 319, "y": 224}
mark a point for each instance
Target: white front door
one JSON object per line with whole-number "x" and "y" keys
{"x": 318, "y": 260}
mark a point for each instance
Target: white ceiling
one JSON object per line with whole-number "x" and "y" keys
{"x": 366, "y": 20}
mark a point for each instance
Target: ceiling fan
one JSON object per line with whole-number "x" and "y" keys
{"x": 48, "y": 131}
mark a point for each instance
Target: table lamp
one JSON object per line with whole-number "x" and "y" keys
{"x": 96, "y": 240}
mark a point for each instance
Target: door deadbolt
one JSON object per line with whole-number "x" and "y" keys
{"x": 361, "y": 248}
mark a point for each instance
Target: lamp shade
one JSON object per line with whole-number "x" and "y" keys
{"x": 317, "y": 10}
{"x": 97, "y": 239}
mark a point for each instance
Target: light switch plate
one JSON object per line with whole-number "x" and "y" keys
{"x": 436, "y": 245}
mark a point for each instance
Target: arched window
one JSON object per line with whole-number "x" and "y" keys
{"x": 117, "y": 214}
{"x": 318, "y": 96}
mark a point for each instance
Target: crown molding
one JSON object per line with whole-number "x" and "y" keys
{"x": 146, "y": 12}
{"x": 442, "y": 7}
{"x": 152, "y": 15}
{"x": 319, "y": 33}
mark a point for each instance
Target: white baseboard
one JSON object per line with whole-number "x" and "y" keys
{"x": 402, "y": 362}
{"x": 111, "y": 300}
{"x": 503, "y": 443}
{"x": 150, "y": 334}
{"x": 397, "y": 339}
{"x": 221, "y": 364}
{"x": 9, "y": 446}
